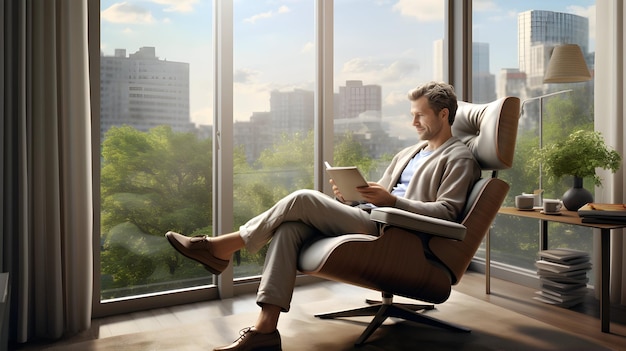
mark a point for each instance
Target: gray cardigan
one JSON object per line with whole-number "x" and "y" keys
{"x": 441, "y": 183}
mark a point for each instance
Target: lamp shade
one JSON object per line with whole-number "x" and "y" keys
{"x": 567, "y": 65}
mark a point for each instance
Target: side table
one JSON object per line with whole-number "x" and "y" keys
{"x": 570, "y": 217}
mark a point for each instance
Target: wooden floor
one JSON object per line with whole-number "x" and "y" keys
{"x": 582, "y": 320}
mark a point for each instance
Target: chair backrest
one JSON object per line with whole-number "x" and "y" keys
{"x": 490, "y": 131}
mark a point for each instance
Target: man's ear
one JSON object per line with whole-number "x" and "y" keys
{"x": 444, "y": 113}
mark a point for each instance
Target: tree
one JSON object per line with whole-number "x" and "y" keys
{"x": 160, "y": 180}
{"x": 349, "y": 152}
{"x": 151, "y": 183}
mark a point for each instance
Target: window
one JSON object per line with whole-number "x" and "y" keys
{"x": 273, "y": 89}
{"x": 155, "y": 128}
{"x": 157, "y": 115}
{"x": 511, "y": 48}
{"x": 375, "y": 67}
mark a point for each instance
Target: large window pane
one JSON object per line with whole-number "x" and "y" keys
{"x": 375, "y": 67}
{"x": 156, "y": 152}
{"x": 274, "y": 71}
{"x": 512, "y": 42}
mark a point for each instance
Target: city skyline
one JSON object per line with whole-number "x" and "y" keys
{"x": 182, "y": 31}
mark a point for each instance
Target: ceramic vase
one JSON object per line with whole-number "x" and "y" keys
{"x": 576, "y": 196}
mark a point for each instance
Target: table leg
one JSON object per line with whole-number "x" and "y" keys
{"x": 543, "y": 235}
{"x": 488, "y": 262}
{"x": 605, "y": 259}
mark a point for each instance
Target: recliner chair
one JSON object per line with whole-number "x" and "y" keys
{"x": 399, "y": 262}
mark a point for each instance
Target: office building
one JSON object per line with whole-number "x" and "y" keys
{"x": 539, "y": 32}
{"x": 355, "y": 98}
{"x": 143, "y": 91}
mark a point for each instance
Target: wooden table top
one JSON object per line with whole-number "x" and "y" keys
{"x": 568, "y": 217}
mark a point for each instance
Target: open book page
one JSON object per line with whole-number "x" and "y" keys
{"x": 347, "y": 180}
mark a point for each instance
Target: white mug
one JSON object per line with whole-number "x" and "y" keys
{"x": 537, "y": 198}
{"x": 552, "y": 205}
{"x": 524, "y": 202}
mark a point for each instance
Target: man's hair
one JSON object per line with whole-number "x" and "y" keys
{"x": 439, "y": 95}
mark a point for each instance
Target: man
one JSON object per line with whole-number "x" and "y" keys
{"x": 432, "y": 178}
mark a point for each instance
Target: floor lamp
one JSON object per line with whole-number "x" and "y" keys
{"x": 567, "y": 65}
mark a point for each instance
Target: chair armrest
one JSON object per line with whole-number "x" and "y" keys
{"x": 419, "y": 223}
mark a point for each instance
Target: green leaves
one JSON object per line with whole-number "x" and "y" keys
{"x": 579, "y": 155}
{"x": 161, "y": 180}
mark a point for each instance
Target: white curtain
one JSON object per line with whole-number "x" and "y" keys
{"x": 47, "y": 211}
{"x": 610, "y": 94}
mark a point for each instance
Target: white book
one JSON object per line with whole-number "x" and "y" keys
{"x": 559, "y": 302}
{"x": 564, "y": 255}
{"x": 347, "y": 180}
{"x": 563, "y": 286}
{"x": 579, "y": 278}
{"x": 561, "y": 268}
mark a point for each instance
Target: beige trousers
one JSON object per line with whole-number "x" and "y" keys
{"x": 291, "y": 222}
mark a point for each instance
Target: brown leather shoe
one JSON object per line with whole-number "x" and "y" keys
{"x": 250, "y": 339}
{"x": 198, "y": 248}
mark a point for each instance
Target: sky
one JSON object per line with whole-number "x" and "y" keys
{"x": 384, "y": 42}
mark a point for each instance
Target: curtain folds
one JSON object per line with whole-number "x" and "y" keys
{"x": 47, "y": 208}
{"x": 610, "y": 94}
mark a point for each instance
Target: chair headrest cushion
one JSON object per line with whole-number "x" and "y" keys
{"x": 489, "y": 130}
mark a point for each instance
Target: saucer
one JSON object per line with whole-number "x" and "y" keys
{"x": 555, "y": 213}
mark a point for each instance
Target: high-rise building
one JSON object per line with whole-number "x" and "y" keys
{"x": 483, "y": 81}
{"x": 355, "y": 98}
{"x": 539, "y": 32}
{"x": 512, "y": 82}
{"x": 142, "y": 91}
{"x": 255, "y": 135}
{"x": 291, "y": 111}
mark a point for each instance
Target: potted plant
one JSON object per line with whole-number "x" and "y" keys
{"x": 578, "y": 155}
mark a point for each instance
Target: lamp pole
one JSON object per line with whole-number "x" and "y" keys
{"x": 540, "y": 98}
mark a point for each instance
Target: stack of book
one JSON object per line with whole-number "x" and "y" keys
{"x": 563, "y": 276}
{"x": 603, "y": 213}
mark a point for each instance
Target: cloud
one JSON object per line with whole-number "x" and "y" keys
{"x": 307, "y": 47}
{"x": 124, "y": 12}
{"x": 360, "y": 65}
{"x": 177, "y": 5}
{"x": 400, "y": 125}
{"x": 484, "y": 5}
{"x": 259, "y": 16}
{"x": 370, "y": 70}
{"x": 265, "y": 15}
{"x": 395, "y": 97}
{"x": 244, "y": 76}
{"x": 422, "y": 10}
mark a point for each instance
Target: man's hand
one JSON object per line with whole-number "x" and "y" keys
{"x": 376, "y": 194}
{"x": 336, "y": 191}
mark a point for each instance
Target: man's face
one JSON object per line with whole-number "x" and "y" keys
{"x": 428, "y": 124}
